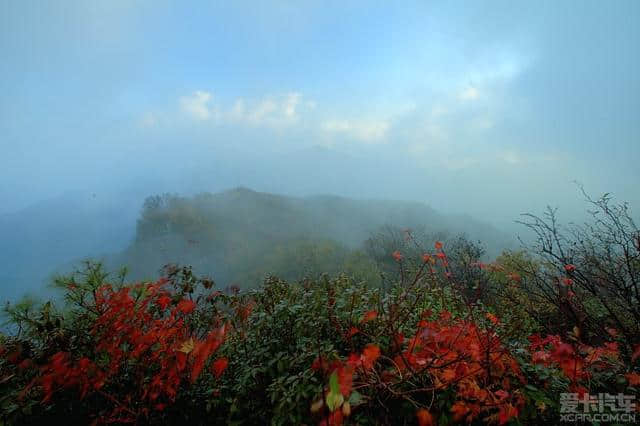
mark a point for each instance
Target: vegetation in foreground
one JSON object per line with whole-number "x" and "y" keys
{"x": 442, "y": 338}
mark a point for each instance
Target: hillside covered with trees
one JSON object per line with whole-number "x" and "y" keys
{"x": 240, "y": 236}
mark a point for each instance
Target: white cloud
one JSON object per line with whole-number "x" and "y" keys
{"x": 271, "y": 111}
{"x": 263, "y": 111}
{"x": 360, "y": 130}
{"x": 238, "y": 110}
{"x": 290, "y": 104}
{"x": 196, "y": 105}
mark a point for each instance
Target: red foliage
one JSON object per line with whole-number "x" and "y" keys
{"x": 155, "y": 347}
{"x": 219, "y": 366}
{"x": 455, "y": 355}
{"x": 424, "y": 417}
{"x": 369, "y": 316}
{"x": 636, "y": 353}
{"x": 186, "y": 306}
{"x": 577, "y": 361}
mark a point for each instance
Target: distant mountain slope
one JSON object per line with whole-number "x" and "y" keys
{"x": 232, "y": 233}
{"x": 236, "y": 235}
{"x": 35, "y": 241}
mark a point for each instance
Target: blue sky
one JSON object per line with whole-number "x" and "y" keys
{"x": 490, "y": 108}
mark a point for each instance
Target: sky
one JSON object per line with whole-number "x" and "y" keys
{"x": 486, "y": 108}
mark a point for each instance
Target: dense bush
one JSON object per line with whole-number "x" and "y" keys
{"x": 447, "y": 339}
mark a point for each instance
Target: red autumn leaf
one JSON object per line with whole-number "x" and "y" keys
{"x": 200, "y": 355}
{"x": 501, "y": 394}
{"x": 181, "y": 360}
{"x": 494, "y": 319}
{"x": 369, "y": 355}
{"x": 445, "y": 315}
{"x": 398, "y": 339}
{"x": 563, "y": 351}
{"x": 244, "y": 311}
{"x": 569, "y": 268}
{"x": 438, "y": 245}
{"x": 13, "y": 357}
{"x": 319, "y": 364}
{"x": 448, "y": 375}
{"x": 540, "y": 357}
{"x": 506, "y": 413}
{"x": 219, "y": 366}
{"x": 25, "y": 364}
{"x": 459, "y": 410}
{"x": 163, "y": 301}
{"x": 633, "y": 379}
{"x": 636, "y": 353}
{"x": 335, "y": 418}
{"x": 345, "y": 380}
{"x": 424, "y": 417}
{"x": 369, "y": 316}
{"x": 397, "y": 256}
{"x": 514, "y": 277}
{"x": 353, "y": 361}
{"x": 186, "y": 306}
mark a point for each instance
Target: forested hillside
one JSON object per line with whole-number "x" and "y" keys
{"x": 239, "y": 236}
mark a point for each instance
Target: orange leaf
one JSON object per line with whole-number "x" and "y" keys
{"x": 506, "y": 413}
{"x": 448, "y": 375}
{"x": 424, "y": 417}
{"x": 636, "y": 353}
{"x": 633, "y": 379}
{"x": 459, "y": 410}
{"x": 494, "y": 319}
{"x": 369, "y": 316}
{"x": 345, "y": 380}
{"x": 186, "y": 306}
{"x": 369, "y": 355}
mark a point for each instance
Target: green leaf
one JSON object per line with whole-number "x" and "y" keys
{"x": 334, "y": 400}
{"x": 355, "y": 398}
{"x": 334, "y": 387}
{"x": 334, "y": 397}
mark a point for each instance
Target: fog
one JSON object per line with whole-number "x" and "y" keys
{"x": 484, "y": 109}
